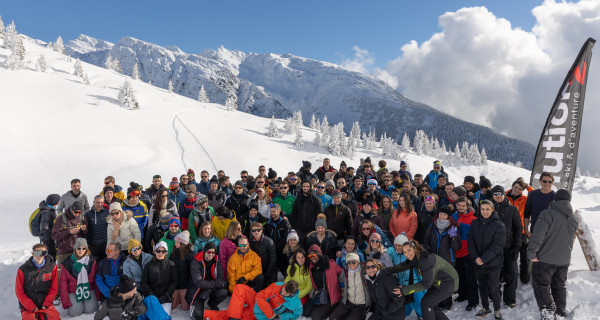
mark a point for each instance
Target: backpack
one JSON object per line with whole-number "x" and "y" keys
{"x": 34, "y": 222}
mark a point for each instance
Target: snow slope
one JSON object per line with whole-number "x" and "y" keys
{"x": 55, "y": 128}
{"x": 272, "y": 84}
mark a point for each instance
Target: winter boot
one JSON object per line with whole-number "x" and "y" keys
{"x": 483, "y": 313}
{"x": 547, "y": 314}
{"x": 497, "y": 315}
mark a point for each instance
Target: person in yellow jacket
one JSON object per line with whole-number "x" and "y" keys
{"x": 298, "y": 271}
{"x": 117, "y": 190}
{"x": 221, "y": 221}
{"x": 245, "y": 267}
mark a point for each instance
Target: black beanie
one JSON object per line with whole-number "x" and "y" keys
{"x": 272, "y": 174}
{"x": 214, "y": 179}
{"x": 497, "y": 188}
{"x": 52, "y": 200}
{"x": 484, "y": 182}
{"x": 470, "y": 179}
{"x": 306, "y": 164}
{"x": 126, "y": 284}
{"x": 343, "y": 164}
{"x": 562, "y": 194}
{"x": 210, "y": 245}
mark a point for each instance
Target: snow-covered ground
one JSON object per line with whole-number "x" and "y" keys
{"x": 55, "y": 128}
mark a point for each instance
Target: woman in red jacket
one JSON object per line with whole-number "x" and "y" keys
{"x": 78, "y": 292}
{"x": 405, "y": 218}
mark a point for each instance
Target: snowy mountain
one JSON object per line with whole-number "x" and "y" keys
{"x": 273, "y": 84}
{"x": 57, "y": 128}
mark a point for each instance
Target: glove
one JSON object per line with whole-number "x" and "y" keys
{"x": 164, "y": 299}
{"x": 453, "y": 232}
{"x": 222, "y": 284}
{"x": 241, "y": 280}
{"x": 409, "y": 298}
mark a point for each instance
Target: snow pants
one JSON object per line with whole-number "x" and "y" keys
{"x": 467, "y": 284}
{"x": 431, "y": 300}
{"x": 549, "y": 285}
{"x": 509, "y": 275}
{"x": 488, "y": 286}
{"x": 241, "y": 305}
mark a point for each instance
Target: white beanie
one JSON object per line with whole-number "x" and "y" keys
{"x": 401, "y": 239}
{"x": 115, "y": 206}
{"x": 372, "y": 181}
{"x": 183, "y": 237}
{"x": 293, "y": 235}
{"x": 161, "y": 244}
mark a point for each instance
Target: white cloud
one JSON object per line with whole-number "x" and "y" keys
{"x": 481, "y": 69}
{"x": 362, "y": 62}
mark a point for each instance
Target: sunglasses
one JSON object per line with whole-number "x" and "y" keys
{"x": 77, "y": 211}
{"x": 284, "y": 188}
{"x": 314, "y": 255}
{"x": 261, "y": 170}
{"x": 375, "y": 241}
{"x": 498, "y": 194}
{"x": 293, "y": 179}
{"x": 244, "y": 177}
{"x": 371, "y": 266}
{"x": 210, "y": 252}
{"x": 242, "y": 245}
{"x": 108, "y": 251}
{"x": 239, "y": 188}
{"x": 272, "y": 205}
{"x": 115, "y": 213}
{"x": 372, "y": 184}
{"x": 352, "y": 262}
{"x": 547, "y": 181}
{"x": 40, "y": 253}
{"x": 388, "y": 180}
{"x": 174, "y": 225}
{"x": 366, "y": 229}
{"x": 107, "y": 182}
{"x": 260, "y": 182}
{"x": 136, "y": 249}
{"x": 256, "y": 230}
{"x": 81, "y": 249}
{"x": 162, "y": 251}
{"x": 320, "y": 187}
{"x": 165, "y": 196}
{"x": 190, "y": 192}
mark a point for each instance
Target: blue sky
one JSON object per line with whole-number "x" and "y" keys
{"x": 322, "y": 30}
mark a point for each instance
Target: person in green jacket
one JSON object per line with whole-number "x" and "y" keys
{"x": 174, "y": 230}
{"x": 439, "y": 278}
{"x": 285, "y": 199}
{"x": 202, "y": 212}
{"x": 298, "y": 271}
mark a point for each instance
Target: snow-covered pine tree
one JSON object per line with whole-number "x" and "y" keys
{"x": 10, "y": 36}
{"x": 325, "y": 133}
{"x": 350, "y": 148}
{"x": 49, "y": 45}
{"x": 126, "y": 97}
{"x": 1, "y": 27}
{"x": 40, "y": 64}
{"x": 464, "y": 151}
{"x": 342, "y": 138}
{"x": 405, "y": 142}
{"x": 273, "y": 130}
{"x": 299, "y": 142}
{"x": 420, "y": 141}
{"x": 135, "y": 72}
{"x": 484, "y": 157}
{"x": 59, "y": 46}
{"x": 324, "y": 124}
{"x": 170, "y": 86}
{"x": 428, "y": 148}
{"x": 231, "y": 103}
{"x": 313, "y": 121}
{"x": 202, "y": 96}
{"x": 474, "y": 155}
{"x": 288, "y": 126}
{"x": 457, "y": 152}
{"x": 298, "y": 118}
{"x": 384, "y": 144}
{"x": 12, "y": 62}
{"x": 317, "y": 140}
{"x": 334, "y": 141}
{"x": 19, "y": 49}
{"x": 86, "y": 79}
{"x": 443, "y": 149}
{"x": 78, "y": 69}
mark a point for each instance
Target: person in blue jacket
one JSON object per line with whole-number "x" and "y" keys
{"x": 413, "y": 301}
{"x": 110, "y": 269}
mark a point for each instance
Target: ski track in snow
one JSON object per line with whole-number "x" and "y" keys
{"x": 176, "y": 117}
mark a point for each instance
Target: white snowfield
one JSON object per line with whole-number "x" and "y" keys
{"x": 55, "y": 128}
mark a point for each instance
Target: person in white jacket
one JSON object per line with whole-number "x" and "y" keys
{"x": 121, "y": 226}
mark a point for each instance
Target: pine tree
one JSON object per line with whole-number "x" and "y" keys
{"x": 40, "y": 64}
{"x": 325, "y": 133}
{"x": 59, "y": 46}
{"x": 313, "y": 122}
{"x": 317, "y": 141}
{"x": 86, "y": 79}
{"x": 1, "y": 27}
{"x": 420, "y": 142}
{"x": 49, "y": 45}
{"x": 78, "y": 72}
{"x": 10, "y": 36}
{"x": 354, "y": 135}
{"x": 126, "y": 97}
{"x": 12, "y": 62}
{"x": 202, "y": 96}
{"x": 298, "y": 118}
{"x": 299, "y": 142}
{"x": 231, "y": 102}
{"x": 19, "y": 50}
{"x": 289, "y": 125}
{"x": 135, "y": 72}
{"x": 170, "y": 86}
{"x": 342, "y": 139}
{"x": 273, "y": 130}
{"x": 457, "y": 152}
{"x": 464, "y": 151}
{"x": 324, "y": 123}
{"x": 405, "y": 142}
{"x": 484, "y": 157}
{"x": 334, "y": 141}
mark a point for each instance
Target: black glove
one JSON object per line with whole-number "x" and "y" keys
{"x": 242, "y": 280}
{"x": 515, "y": 253}
{"x": 409, "y": 298}
{"x": 222, "y": 284}
{"x": 164, "y": 299}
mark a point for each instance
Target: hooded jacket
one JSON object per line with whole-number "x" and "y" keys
{"x": 198, "y": 277}
{"x": 286, "y": 203}
{"x": 270, "y": 302}
{"x": 61, "y": 231}
{"x": 47, "y": 217}
{"x": 333, "y": 277}
{"x": 434, "y": 270}
{"x": 439, "y": 242}
{"x": 159, "y": 278}
{"x": 509, "y": 214}
{"x": 305, "y": 211}
{"x": 238, "y": 203}
{"x": 388, "y": 305}
{"x": 133, "y": 269}
{"x": 552, "y": 238}
{"x": 486, "y": 241}
{"x": 129, "y": 230}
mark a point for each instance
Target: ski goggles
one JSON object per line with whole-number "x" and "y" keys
{"x": 40, "y": 253}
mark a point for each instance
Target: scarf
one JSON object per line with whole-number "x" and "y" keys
{"x": 82, "y": 291}
{"x": 353, "y": 271}
{"x": 442, "y": 224}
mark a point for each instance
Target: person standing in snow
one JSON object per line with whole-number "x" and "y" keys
{"x": 47, "y": 216}
{"x": 67, "y": 199}
{"x": 550, "y": 249}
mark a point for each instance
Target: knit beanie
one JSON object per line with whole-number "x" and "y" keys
{"x": 336, "y": 193}
{"x": 429, "y": 198}
{"x": 133, "y": 243}
{"x": 214, "y": 179}
{"x": 239, "y": 183}
{"x": 272, "y": 174}
{"x": 77, "y": 205}
{"x": 306, "y": 164}
{"x": 321, "y": 222}
{"x": 80, "y": 242}
{"x": 126, "y": 284}
{"x": 343, "y": 164}
{"x": 161, "y": 244}
{"x": 108, "y": 189}
{"x": 191, "y": 188}
{"x": 329, "y": 183}
{"x": 470, "y": 179}
{"x": 183, "y": 237}
{"x": 210, "y": 245}
{"x": 292, "y": 235}
{"x": 52, "y": 200}
{"x": 460, "y": 191}
{"x": 174, "y": 183}
{"x": 200, "y": 199}
{"x": 371, "y": 181}
{"x": 114, "y": 206}
{"x": 175, "y": 220}
{"x": 190, "y": 171}
{"x": 401, "y": 239}
{"x": 375, "y": 235}
{"x": 484, "y": 182}
{"x": 497, "y": 188}
{"x": 562, "y": 194}
{"x": 352, "y": 256}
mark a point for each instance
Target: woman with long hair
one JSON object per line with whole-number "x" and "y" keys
{"x": 424, "y": 217}
{"x": 289, "y": 250}
{"x": 405, "y": 218}
{"x": 206, "y": 235}
{"x": 78, "y": 292}
{"x": 375, "y": 250}
{"x": 349, "y": 247}
{"x": 326, "y": 277}
{"x": 161, "y": 201}
{"x": 386, "y": 211}
{"x": 434, "y": 270}
{"x": 229, "y": 244}
{"x": 298, "y": 271}
{"x": 182, "y": 255}
{"x": 122, "y": 227}
{"x": 262, "y": 201}
{"x": 381, "y": 284}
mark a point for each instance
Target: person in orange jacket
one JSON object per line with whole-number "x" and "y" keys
{"x": 244, "y": 267}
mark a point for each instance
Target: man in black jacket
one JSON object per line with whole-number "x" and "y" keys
{"x": 304, "y": 213}
{"x": 509, "y": 214}
{"x": 265, "y": 248}
{"x": 97, "y": 226}
{"x": 207, "y": 282}
{"x": 550, "y": 249}
{"x": 339, "y": 217}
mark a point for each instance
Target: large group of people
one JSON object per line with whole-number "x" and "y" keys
{"x": 330, "y": 243}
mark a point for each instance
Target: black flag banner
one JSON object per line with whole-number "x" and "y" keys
{"x": 557, "y": 150}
